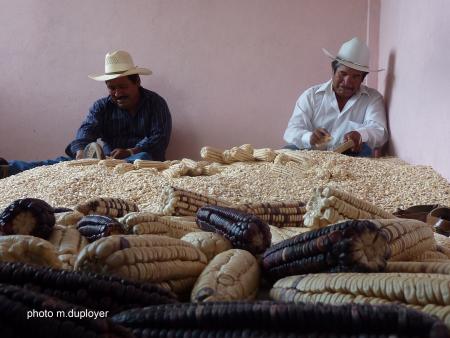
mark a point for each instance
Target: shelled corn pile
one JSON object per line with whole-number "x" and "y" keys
{"x": 310, "y": 226}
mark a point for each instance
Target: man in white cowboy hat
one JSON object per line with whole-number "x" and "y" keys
{"x": 342, "y": 109}
{"x": 132, "y": 122}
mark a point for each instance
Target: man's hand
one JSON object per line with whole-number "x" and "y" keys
{"x": 357, "y": 140}
{"x": 319, "y": 136}
{"x": 79, "y": 155}
{"x": 120, "y": 153}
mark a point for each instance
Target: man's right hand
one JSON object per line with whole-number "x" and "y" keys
{"x": 318, "y": 136}
{"x": 79, "y": 155}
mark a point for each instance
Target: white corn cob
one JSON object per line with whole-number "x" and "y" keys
{"x": 68, "y": 218}
{"x": 82, "y": 162}
{"x": 176, "y": 170}
{"x": 123, "y": 168}
{"x": 140, "y": 164}
{"x": 419, "y": 267}
{"x": 281, "y": 234}
{"x": 210, "y": 243}
{"x": 264, "y": 154}
{"x": 231, "y": 275}
{"x": 110, "y": 162}
{"x": 178, "y": 226}
{"x": 212, "y": 154}
{"x": 67, "y": 240}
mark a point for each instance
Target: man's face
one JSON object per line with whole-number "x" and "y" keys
{"x": 124, "y": 92}
{"x": 346, "y": 81}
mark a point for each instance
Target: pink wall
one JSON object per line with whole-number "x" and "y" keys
{"x": 231, "y": 70}
{"x": 415, "y": 46}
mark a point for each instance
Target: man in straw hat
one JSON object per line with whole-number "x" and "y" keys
{"x": 342, "y": 109}
{"x": 132, "y": 122}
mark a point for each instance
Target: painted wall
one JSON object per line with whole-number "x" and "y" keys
{"x": 230, "y": 71}
{"x": 415, "y": 48}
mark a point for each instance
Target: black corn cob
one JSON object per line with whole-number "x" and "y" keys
{"x": 28, "y": 216}
{"x": 357, "y": 246}
{"x": 25, "y": 313}
{"x": 96, "y": 292}
{"x": 244, "y": 231}
{"x": 272, "y": 319}
{"x": 94, "y": 227}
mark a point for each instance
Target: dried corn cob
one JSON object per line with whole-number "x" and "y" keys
{"x": 180, "y": 202}
{"x": 272, "y": 319}
{"x": 431, "y": 256}
{"x": 407, "y": 238}
{"x": 143, "y": 222}
{"x": 151, "y": 258}
{"x": 93, "y": 227}
{"x": 212, "y": 154}
{"x": 107, "y": 206}
{"x": 82, "y": 162}
{"x": 123, "y": 168}
{"x": 28, "y": 249}
{"x": 264, "y": 154}
{"x": 237, "y": 154}
{"x": 328, "y": 205}
{"x": 210, "y": 243}
{"x": 67, "y": 240}
{"x": 277, "y": 213}
{"x": 28, "y": 216}
{"x": 110, "y": 162}
{"x": 416, "y": 267}
{"x": 140, "y": 164}
{"x": 98, "y": 292}
{"x": 27, "y": 313}
{"x": 231, "y": 275}
{"x": 347, "y": 246}
{"x": 244, "y": 231}
{"x": 178, "y": 226}
{"x": 424, "y": 292}
{"x": 68, "y": 218}
{"x": 281, "y": 234}
{"x": 176, "y": 170}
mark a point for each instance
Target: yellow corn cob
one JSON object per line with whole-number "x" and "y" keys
{"x": 210, "y": 243}
{"x": 146, "y": 258}
{"x": 231, "y": 275}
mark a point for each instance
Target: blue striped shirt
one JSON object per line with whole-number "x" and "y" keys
{"x": 149, "y": 129}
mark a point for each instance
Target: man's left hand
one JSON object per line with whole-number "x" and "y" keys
{"x": 356, "y": 138}
{"x": 120, "y": 153}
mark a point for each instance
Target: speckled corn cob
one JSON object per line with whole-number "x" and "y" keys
{"x": 26, "y": 313}
{"x": 93, "y": 227}
{"x": 347, "y": 246}
{"x": 93, "y": 291}
{"x": 271, "y": 319}
{"x": 244, "y": 231}
{"x": 277, "y": 213}
{"x": 107, "y": 206}
{"x": 149, "y": 258}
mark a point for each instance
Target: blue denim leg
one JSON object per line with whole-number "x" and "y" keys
{"x": 16, "y": 167}
{"x": 139, "y": 156}
{"x": 366, "y": 151}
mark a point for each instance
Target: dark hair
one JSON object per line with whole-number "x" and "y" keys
{"x": 335, "y": 65}
{"x": 135, "y": 78}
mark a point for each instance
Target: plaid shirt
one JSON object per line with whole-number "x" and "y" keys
{"x": 149, "y": 129}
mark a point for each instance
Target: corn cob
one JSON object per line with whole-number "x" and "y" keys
{"x": 210, "y": 243}
{"x": 143, "y": 222}
{"x": 328, "y": 205}
{"x": 238, "y": 154}
{"x": 93, "y": 227}
{"x": 416, "y": 267}
{"x": 82, "y": 162}
{"x": 28, "y": 249}
{"x": 149, "y": 258}
{"x": 425, "y": 292}
{"x": 180, "y": 202}
{"x": 287, "y": 171}
{"x": 231, "y": 275}
{"x": 140, "y": 164}
{"x": 431, "y": 256}
{"x": 344, "y": 147}
{"x": 123, "y": 168}
{"x": 264, "y": 154}
{"x": 407, "y": 239}
{"x": 442, "y": 240}
{"x": 67, "y": 240}
{"x": 67, "y": 261}
{"x": 107, "y": 206}
{"x": 178, "y": 226}
{"x": 244, "y": 231}
{"x": 194, "y": 168}
{"x": 176, "y": 170}
{"x": 347, "y": 246}
{"x": 27, "y": 216}
{"x": 277, "y": 213}
{"x": 27, "y": 313}
{"x": 97, "y": 292}
{"x": 281, "y": 234}
{"x": 272, "y": 319}
{"x": 68, "y": 218}
{"x": 211, "y": 169}
{"x": 212, "y": 154}
{"x": 110, "y": 162}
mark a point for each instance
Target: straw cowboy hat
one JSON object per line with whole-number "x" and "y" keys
{"x": 117, "y": 64}
{"x": 354, "y": 54}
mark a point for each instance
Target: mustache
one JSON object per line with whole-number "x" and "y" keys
{"x": 121, "y": 97}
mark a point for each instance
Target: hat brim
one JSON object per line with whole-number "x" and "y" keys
{"x": 106, "y": 77}
{"x": 350, "y": 64}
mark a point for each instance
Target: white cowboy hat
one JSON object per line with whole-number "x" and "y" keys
{"x": 354, "y": 54}
{"x": 117, "y": 64}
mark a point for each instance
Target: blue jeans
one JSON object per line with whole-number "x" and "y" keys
{"x": 15, "y": 166}
{"x": 366, "y": 151}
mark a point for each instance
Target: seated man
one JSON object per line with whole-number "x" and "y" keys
{"x": 341, "y": 109}
{"x": 133, "y": 122}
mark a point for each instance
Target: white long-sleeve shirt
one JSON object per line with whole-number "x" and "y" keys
{"x": 317, "y": 107}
